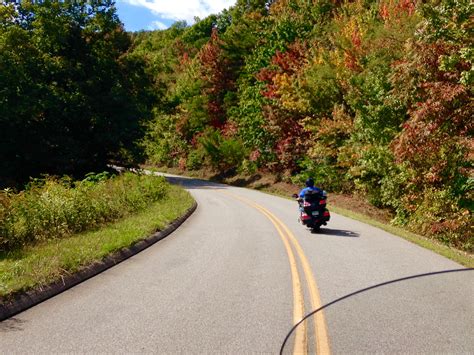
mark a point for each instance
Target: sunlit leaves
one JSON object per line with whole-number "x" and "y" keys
{"x": 368, "y": 96}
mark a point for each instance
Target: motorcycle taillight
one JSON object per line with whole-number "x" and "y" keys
{"x": 304, "y": 216}
{"x": 322, "y": 202}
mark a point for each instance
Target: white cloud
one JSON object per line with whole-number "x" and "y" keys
{"x": 183, "y": 9}
{"x": 157, "y": 25}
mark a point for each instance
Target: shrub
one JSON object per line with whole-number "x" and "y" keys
{"x": 374, "y": 174}
{"x": 195, "y": 159}
{"x": 224, "y": 153}
{"x": 163, "y": 144}
{"x": 325, "y": 176}
{"x": 248, "y": 167}
{"x": 56, "y": 208}
{"x": 440, "y": 217}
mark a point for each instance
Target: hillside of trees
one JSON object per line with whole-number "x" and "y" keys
{"x": 71, "y": 96}
{"x": 369, "y": 97}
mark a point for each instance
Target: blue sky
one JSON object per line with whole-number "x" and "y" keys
{"x": 159, "y": 14}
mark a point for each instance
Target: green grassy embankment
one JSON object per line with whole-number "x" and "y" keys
{"x": 41, "y": 262}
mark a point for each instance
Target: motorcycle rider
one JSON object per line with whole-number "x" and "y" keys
{"x": 309, "y": 187}
{"x": 312, "y": 206}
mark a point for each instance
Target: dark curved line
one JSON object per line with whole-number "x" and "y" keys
{"x": 364, "y": 290}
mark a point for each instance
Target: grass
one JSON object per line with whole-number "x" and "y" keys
{"x": 54, "y": 208}
{"x": 42, "y": 263}
{"x": 375, "y": 218}
{"x": 450, "y": 253}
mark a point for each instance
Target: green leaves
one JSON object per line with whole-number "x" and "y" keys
{"x": 224, "y": 153}
{"x": 52, "y": 209}
{"x": 450, "y": 21}
{"x": 71, "y": 98}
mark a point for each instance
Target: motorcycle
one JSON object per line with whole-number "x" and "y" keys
{"x": 313, "y": 211}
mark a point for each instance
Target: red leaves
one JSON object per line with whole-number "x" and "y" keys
{"x": 406, "y": 6}
{"x": 289, "y": 62}
{"x": 230, "y": 129}
{"x": 255, "y": 155}
{"x": 384, "y": 12}
{"x": 351, "y": 61}
{"x": 284, "y": 125}
{"x": 356, "y": 39}
{"x": 396, "y": 9}
{"x": 433, "y": 138}
{"x": 214, "y": 69}
{"x": 184, "y": 59}
{"x": 267, "y": 75}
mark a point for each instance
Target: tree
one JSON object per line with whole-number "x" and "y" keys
{"x": 72, "y": 98}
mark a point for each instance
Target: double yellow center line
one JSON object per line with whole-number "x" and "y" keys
{"x": 289, "y": 240}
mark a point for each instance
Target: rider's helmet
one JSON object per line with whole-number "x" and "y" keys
{"x": 310, "y": 182}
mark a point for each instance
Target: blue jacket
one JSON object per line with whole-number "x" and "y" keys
{"x": 302, "y": 192}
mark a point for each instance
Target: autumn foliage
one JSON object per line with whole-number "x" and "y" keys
{"x": 367, "y": 97}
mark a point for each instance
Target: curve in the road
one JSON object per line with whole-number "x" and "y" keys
{"x": 221, "y": 284}
{"x": 321, "y": 336}
{"x": 27, "y": 299}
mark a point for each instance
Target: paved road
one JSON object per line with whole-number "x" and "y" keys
{"x": 238, "y": 273}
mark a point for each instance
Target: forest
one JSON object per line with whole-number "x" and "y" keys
{"x": 367, "y": 97}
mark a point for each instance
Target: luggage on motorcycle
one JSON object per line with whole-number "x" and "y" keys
{"x": 312, "y": 196}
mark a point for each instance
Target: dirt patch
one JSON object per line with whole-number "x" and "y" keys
{"x": 357, "y": 204}
{"x": 263, "y": 182}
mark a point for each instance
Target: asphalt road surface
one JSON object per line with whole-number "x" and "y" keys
{"x": 240, "y": 272}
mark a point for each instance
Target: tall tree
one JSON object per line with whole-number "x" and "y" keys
{"x": 72, "y": 98}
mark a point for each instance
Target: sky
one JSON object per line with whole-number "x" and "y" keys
{"x": 160, "y": 14}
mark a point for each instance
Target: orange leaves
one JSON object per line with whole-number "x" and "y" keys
{"x": 352, "y": 55}
{"x": 396, "y": 9}
{"x": 384, "y": 12}
{"x": 434, "y": 141}
{"x": 356, "y": 38}
{"x": 339, "y": 125}
{"x": 214, "y": 69}
{"x": 433, "y": 138}
{"x": 283, "y": 118}
{"x": 267, "y": 75}
{"x": 291, "y": 60}
{"x": 283, "y": 66}
{"x": 185, "y": 59}
{"x": 210, "y": 57}
{"x": 351, "y": 61}
{"x": 407, "y": 6}
{"x": 351, "y": 39}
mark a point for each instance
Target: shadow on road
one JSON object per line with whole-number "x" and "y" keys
{"x": 11, "y": 325}
{"x": 189, "y": 183}
{"x": 337, "y": 232}
{"x": 186, "y": 182}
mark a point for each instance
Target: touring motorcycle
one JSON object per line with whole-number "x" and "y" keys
{"x": 313, "y": 211}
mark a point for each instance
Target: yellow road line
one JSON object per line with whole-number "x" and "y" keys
{"x": 301, "y": 344}
{"x": 322, "y": 339}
